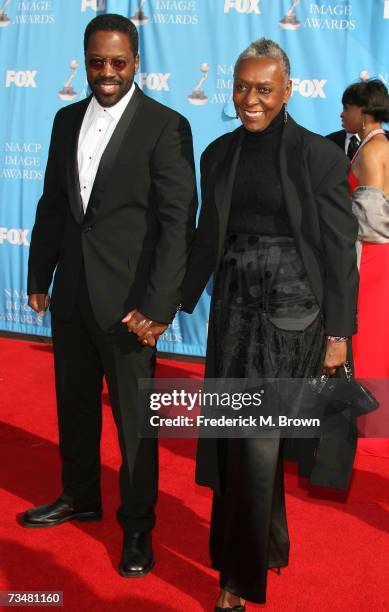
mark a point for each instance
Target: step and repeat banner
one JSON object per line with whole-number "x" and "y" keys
{"x": 188, "y": 49}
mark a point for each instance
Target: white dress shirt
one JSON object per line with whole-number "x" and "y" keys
{"x": 96, "y": 130}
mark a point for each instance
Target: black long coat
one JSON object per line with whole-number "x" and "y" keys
{"x": 315, "y": 187}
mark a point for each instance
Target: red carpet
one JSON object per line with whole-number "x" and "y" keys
{"x": 339, "y": 554}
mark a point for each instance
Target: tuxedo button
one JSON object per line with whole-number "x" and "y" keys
{"x": 87, "y": 228}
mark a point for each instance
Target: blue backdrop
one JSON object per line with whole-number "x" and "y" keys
{"x": 188, "y": 48}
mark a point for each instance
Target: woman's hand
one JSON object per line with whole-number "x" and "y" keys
{"x": 335, "y": 357}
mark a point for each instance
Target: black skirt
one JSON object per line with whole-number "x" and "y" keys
{"x": 267, "y": 322}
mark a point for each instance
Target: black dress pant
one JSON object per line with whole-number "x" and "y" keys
{"x": 83, "y": 354}
{"x": 249, "y": 531}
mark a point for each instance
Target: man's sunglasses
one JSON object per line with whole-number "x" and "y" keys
{"x": 98, "y": 63}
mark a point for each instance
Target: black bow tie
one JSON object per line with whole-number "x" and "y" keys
{"x": 353, "y": 146}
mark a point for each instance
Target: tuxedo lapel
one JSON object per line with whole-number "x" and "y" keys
{"x": 224, "y": 182}
{"x": 72, "y": 179}
{"x": 342, "y": 139}
{"x": 108, "y": 158}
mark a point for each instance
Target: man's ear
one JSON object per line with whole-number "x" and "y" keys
{"x": 288, "y": 91}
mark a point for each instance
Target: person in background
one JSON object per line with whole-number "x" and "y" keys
{"x": 277, "y": 231}
{"x": 366, "y": 107}
{"x": 347, "y": 139}
{"x": 115, "y": 223}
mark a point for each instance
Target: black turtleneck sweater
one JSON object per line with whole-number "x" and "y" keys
{"x": 257, "y": 205}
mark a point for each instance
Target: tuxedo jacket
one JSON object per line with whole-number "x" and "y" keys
{"x": 339, "y": 137}
{"x": 135, "y": 236}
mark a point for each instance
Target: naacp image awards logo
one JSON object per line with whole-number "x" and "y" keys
{"x": 198, "y": 97}
{"x": 166, "y": 12}
{"x": 318, "y": 15}
{"x": 67, "y": 92}
{"x": 289, "y": 20}
{"x": 28, "y": 13}
{"x": 139, "y": 17}
{"x": 4, "y": 19}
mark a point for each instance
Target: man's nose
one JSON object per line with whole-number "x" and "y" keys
{"x": 107, "y": 69}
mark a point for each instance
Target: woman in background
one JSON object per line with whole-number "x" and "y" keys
{"x": 276, "y": 228}
{"x": 365, "y": 107}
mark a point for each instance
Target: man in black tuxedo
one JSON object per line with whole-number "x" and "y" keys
{"x": 115, "y": 221}
{"x": 347, "y": 141}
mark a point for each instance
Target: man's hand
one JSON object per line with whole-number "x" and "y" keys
{"x": 147, "y": 330}
{"x": 39, "y": 302}
{"x": 152, "y": 334}
{"x": 336, "y": 356}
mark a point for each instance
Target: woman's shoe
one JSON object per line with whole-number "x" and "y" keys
{"x": 276, "y": 569}
{"x": 238, "y": 607}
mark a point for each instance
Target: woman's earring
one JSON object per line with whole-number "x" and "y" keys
{"x": 285, "y": 114}
{"x": 363, "y": 125}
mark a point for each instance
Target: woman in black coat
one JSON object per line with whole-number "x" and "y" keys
{"x": 276, "y": 229}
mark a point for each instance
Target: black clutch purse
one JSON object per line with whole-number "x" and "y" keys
{"x": 343, "y": 393}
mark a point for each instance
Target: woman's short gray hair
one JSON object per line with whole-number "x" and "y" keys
{"x": 264, "y": 47}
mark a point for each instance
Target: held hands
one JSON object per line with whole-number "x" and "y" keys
{"x": 39, "y": 302}
{"x": 335, "y": 357}
{"x": 147, "y": 330}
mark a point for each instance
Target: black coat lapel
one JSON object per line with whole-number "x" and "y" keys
{"x": 291, "y": 171}
{"x": 224, "y": 182}
{"x": 299, "y": 199}
{"x": 72, "y": 179}
{"x": 109, "y": 156}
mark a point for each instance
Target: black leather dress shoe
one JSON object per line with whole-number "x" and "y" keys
{"x": 59, "y": 512}
{"x": 137, "y": 557}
